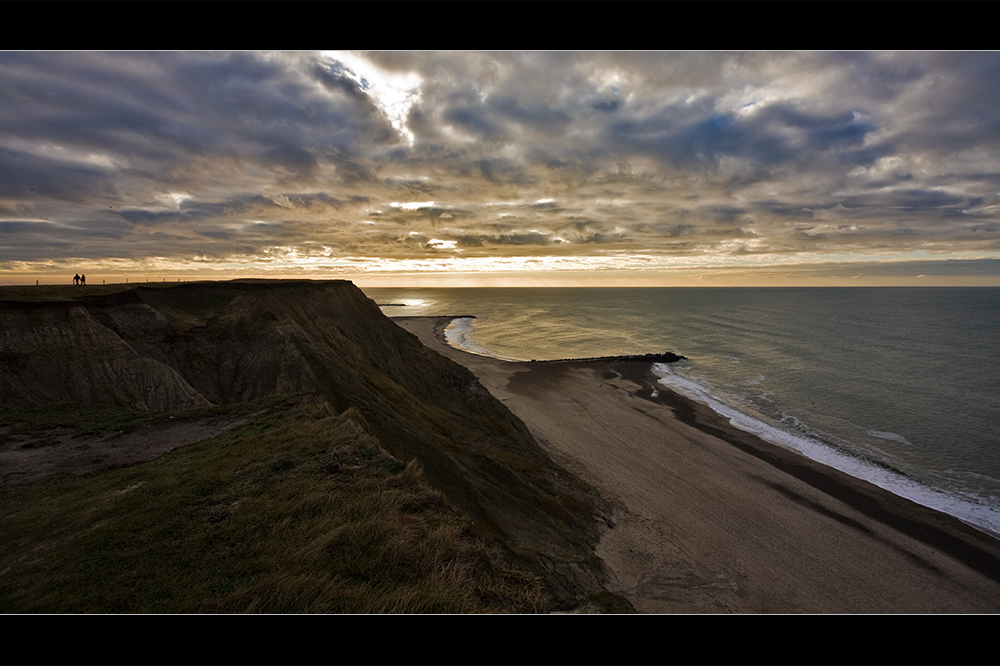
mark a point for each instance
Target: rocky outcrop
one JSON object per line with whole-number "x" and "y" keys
{"x": 169, "y": 347}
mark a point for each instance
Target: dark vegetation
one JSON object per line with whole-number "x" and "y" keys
{"x": 373, "y": 475}
{"x": 298, "y": 511}
{"x": 69, "y": 417}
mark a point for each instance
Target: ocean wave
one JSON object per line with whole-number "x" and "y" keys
{"x": 889, "y": 436}
{"x": 976, "y": 510}
{"x": 458, "y": 333}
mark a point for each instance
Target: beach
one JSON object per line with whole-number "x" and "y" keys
{"x": 711, "y": 519}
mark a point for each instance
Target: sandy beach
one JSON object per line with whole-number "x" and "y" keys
{"x": 711, "y": 519}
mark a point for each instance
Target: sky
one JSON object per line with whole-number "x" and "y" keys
{"x": 502, "y": 168}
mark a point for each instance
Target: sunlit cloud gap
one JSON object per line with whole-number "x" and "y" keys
{"x": 394, "y": 93}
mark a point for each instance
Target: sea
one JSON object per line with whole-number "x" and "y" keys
{"x": 899, "y": 386}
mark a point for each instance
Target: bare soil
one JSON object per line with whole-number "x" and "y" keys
{"x": 29, "y": 457}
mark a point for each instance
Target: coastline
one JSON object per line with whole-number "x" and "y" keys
{"x": 710, "y": 518}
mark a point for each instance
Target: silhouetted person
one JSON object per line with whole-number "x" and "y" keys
{"x": 76, "y": 279}
{"x": 83, "y": 279}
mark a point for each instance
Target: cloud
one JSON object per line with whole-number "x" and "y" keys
{"x": 542, "y": 154}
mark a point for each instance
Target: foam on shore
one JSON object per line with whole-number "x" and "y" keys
{"x": 976, "y": 511}
{"x": 715, "y": 520}
{"x": 457, "y": 335}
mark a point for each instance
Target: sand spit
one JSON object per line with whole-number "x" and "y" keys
{"x": 710, "y": 519}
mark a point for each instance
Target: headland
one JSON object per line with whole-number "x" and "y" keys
{"x": 330, "y": 462}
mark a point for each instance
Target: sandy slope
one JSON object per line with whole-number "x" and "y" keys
{"x": 711, "y": 519}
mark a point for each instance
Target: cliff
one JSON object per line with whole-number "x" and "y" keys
{"x": 167, "y": 347}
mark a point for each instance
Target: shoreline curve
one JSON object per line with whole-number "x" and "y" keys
{"x": 712, "y": 518}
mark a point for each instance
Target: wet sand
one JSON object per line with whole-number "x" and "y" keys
{"x": 710, "y": 519}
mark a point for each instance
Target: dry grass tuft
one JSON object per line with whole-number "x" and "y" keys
{"x": 298, "y": 511}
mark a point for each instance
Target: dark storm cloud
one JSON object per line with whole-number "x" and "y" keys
{"x": 786, "y": 210}
{"x": 316, "y": 200}
{"x": 511, "y": 238}
{"x": 411, "y": 186}
{"x": 670, "y": 230}
{"x": 24, "y": 175}
{"x": 291, "y": 157}
{"x": 503, "y": 171}
{"x": 538, "y": 116}
{"x": 157, "y": 112}
{"x": 475, "y": 120}
{"x": 670, "y": 153}
{"x": 606, "y": 105}
{"x": 912, "y": 200}
{"x": 723, "y": 213}
{"x": 34, "y": 241}
{"x": 774, "y": 136}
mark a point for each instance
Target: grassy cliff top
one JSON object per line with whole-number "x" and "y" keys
{"x": 164, "y": 347}
{"x": 62, "y": 293}
{"x": 298, "y": 510}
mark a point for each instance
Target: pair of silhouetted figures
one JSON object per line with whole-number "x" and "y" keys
{"x": 79, "y": 279}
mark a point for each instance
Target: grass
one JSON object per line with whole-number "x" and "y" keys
{"x": 75, "y": 419}
{"x": 299, "y": 510}
{"x": 50, "y": 424}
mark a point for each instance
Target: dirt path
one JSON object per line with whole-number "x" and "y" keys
{"x": 28, "y": 458}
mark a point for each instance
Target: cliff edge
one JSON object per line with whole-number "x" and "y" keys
{"x": 169, "y": 347}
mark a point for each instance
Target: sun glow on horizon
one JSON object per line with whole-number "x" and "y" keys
{"x": 551, "y": 270}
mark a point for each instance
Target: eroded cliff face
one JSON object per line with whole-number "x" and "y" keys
{"x": 63, "y": 354}
{"x": 170, "y": 347}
